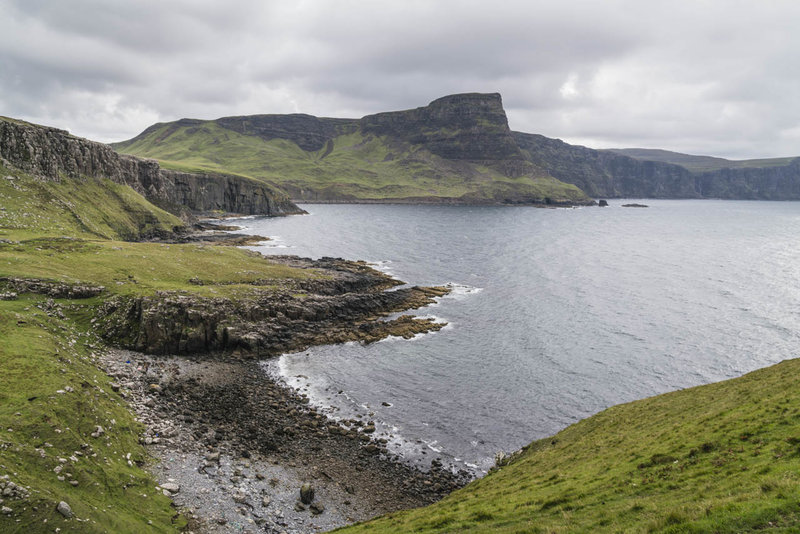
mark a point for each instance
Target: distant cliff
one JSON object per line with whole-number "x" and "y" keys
{"x": 54, "y": 154}
{"x": 607, "y": 173}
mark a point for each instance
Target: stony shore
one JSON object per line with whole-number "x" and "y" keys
{"x": 234, "y": 449}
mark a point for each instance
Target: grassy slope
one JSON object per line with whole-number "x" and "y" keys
{"x": 718, "y": 458}
{"x": 95, "y": 207}
{"x": 699, "y": 164}
{"x": 41, "y": 355}
{"x": 69, "y": 232}
{"x": 357, "y": 166}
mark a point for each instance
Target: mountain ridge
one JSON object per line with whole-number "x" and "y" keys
{"x": 457, "y": 149}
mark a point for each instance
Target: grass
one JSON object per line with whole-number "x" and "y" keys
{"x": 52, "y": 395}
{"x": 71, "y": 232}
{"x": 142, "y": 268}
{"x": 92, "y": 207}
{"x": 352, "y": 166}
{"x": 718, "y": 458}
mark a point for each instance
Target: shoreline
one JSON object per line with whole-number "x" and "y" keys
{"x": 237, "y": 445}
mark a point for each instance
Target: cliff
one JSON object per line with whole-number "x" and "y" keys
{"x": 470, "y": 126}
{"x": 606, "y": 174}
{"x": 52, "y": 154}
{"x": 762, "y": 183}
{"x": 457, "y": 149}
{"x": 614, "y": 173}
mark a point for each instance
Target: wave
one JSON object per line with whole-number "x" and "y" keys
{"x": 339, "y": 406}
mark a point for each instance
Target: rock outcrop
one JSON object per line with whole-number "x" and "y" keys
{"x": 53, "y": 154}
{"x": 760, "y": 183}
{"x": 344, "y": 306}
{"x": 470, "y": 126}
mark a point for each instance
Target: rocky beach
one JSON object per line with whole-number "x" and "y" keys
{"x": 239, "y": 452}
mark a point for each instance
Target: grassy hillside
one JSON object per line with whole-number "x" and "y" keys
{"x": 699, "y": 164}
{"x": 92, "y": 207}
{"x": 52, "y": 395}
{"x": 718, "y": 458}
{"x": 350, "y": 166}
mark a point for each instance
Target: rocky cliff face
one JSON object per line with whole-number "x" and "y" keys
{"x": 602, "y": 173}
{"x": 346, "y": 306}
{"x": 469, "y": 126}
{"x": 53, "y": 154}
{"x": 766, "y": 183}
{"x": 606, "y": 174}
{"x": 308, "y": 132}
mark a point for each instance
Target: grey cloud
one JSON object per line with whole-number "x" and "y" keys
{"x": 715, "y": 76}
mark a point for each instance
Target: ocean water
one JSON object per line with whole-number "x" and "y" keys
{"x": 555, "y": 314}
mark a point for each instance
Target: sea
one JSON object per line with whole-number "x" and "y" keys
{"x": 553, "y": 314}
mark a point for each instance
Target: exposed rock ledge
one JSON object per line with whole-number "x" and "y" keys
{"x": 53, "y": 154}
{"x": 278, "y": 316}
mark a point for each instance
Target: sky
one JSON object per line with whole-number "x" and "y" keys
{"x": 716, "y": 77}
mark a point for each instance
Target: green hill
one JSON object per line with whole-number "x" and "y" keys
{"x": 457, "y": 149}
{"x": 718, "y": 458}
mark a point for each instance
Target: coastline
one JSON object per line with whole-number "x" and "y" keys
{"x": 238, "y": 446}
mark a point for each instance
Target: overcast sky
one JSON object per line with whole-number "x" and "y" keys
{"x": 719, "y": 77}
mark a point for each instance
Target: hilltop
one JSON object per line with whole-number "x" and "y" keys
{"x": 458, "y": 149}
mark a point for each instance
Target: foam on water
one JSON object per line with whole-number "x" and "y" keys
{"x": 338, "y": 406}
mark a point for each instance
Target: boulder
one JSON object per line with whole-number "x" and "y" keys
{"x": 64, "y": 509}
{"x": 306, "y": 493}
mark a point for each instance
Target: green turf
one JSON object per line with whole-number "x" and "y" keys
{"x": 52, "y": 395}
{"x": 353, "y": 165}
{"x": 718, "y": 458}
{"x": 89, "y": 207}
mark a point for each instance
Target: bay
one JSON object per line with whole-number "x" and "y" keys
{"x": 555, "y": 314}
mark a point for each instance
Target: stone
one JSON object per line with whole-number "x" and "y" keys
{"x": 6, "y": 510}
{"x": 171, "y": 487}
{"x": 64, "y": 509}
{"x": 602, "y": 203}
{"x": 265, "y": 502}
{"x": 306, "y": 493}
{"x": 317, "y": 508}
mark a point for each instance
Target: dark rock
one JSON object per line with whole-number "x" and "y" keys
{"x": 602, "y": 203}
{"x": 317, "y": 508}
{"x": 306, "y": 493}
{"x": 634, "y": 205}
